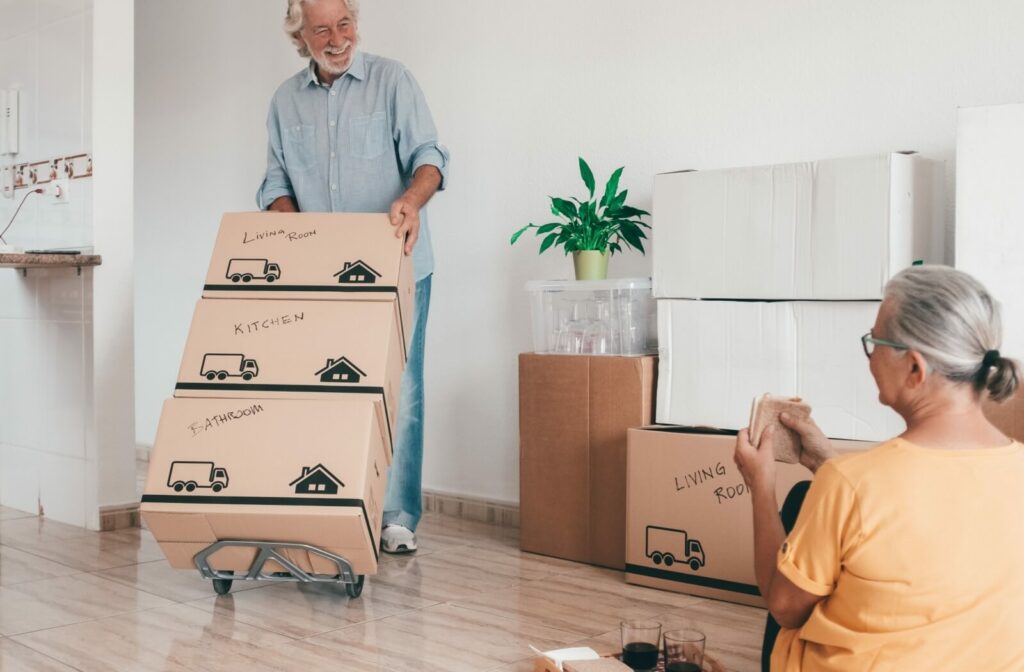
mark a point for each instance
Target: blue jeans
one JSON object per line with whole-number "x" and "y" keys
{"x": 403, "y": 498}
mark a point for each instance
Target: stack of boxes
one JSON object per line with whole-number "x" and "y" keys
{"x": 282, "y": 422}
{"x": 574, "y": 411}
{"x": 765, "y": 280}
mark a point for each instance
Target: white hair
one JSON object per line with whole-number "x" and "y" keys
{"x": 954, "y": 323}
{"x": 293, "y": 22}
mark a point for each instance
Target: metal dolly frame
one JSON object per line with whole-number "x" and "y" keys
{"x": 268, "y": 551}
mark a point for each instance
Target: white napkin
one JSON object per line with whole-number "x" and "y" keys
{"x": 561, "y": 655}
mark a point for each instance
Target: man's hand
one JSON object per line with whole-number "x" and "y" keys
{"x": 756, "y": 463}
{"x": 405, "y": 212}
{"x": 816, "y": 448}
{"x": 405, "y": 217}
{"x": 283, "y": 204}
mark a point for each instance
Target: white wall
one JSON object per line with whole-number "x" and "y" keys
{"x": 46, "y": 315}
{"x": 519, "y": 90}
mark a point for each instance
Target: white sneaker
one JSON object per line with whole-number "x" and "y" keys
{"x": 397, "y": 539}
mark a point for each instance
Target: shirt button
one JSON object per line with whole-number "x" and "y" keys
{"x": 334, "y": 93}
{"x": 334, "y": 187}
{"x": 332, "y": 155}
{"x": 332, "y": 123}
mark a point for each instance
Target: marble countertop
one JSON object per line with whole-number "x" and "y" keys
{"x": 22, "y": 260}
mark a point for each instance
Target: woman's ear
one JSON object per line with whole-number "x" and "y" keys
{"x": 918, "y": 369}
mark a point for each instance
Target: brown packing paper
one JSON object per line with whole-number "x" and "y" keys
{"x": 321, "y": 256}
{"x": 288, "y": 471}
{"x": 573, "y": 415}
{"x": 294, "y": 349}
{"x": 764, "y": 413}
{"x": 689, "y": 523}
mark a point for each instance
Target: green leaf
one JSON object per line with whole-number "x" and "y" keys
{"x": 587, "y": 175}
{"x": 612, "y": 187}
{"x": 560, "y": 206}
{"x": 626, "y": 212}
{"x": 515, "y": 236}
{"x": 631, "y": 237}
{"x": 614, "y": 247}
{"x": 548, "y": 242}
{"x": 547, "y": 227}
{"x": 619, "y": 200}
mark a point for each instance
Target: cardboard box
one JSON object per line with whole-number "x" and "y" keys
{"x": 990, "y": 209}
{"x": 836, "y": 229}
{"x": 716, "y": 356}
{"x": 573, "y": 415}
{"x": 305, "y": 471}
{"x": 687, "y": 500}
{"x": 294, "y": 349}
{"x": 350, "y": 257}
{"x": 1008, "y": 416}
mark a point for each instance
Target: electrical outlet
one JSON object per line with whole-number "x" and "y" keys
{"x": 56, "y": 190}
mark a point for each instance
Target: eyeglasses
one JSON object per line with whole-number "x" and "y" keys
{"x": 869, "y": 344}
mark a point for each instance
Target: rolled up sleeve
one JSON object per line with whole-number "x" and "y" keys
{"x": 827, "y": 528}
{"x": 275, "y": 182}
{"x": 414, "y": 132}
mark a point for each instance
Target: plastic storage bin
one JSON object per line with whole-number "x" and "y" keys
{"x": 594, "y": 317}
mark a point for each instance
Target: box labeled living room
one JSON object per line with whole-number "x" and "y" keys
{"x": 317, "y": 256}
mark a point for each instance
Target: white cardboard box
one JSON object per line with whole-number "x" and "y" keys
{"x": 716, "y": 356}
{"x": 825, "y": 230}
{"x": 990, "y": 209}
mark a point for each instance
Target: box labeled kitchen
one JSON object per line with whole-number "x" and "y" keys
{"x": 294, "y": 349}
{"x": 825, "y": 230}
{"x": 319, "y": 256}
{"x": 274, "y": 470}
{"x": 689, "y": 527}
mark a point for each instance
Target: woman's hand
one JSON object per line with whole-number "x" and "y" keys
{"x": 756, "y": 463}
{"x": 816, "y": 447}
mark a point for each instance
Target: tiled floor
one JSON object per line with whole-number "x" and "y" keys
{"x": 467, "y": 600}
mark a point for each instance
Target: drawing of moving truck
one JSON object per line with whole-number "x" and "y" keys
{"x": 670, "y": 546}
{"x": 221, "y": 366}
{"x": 247, "y": 270}
{"x": 191, "y": 475}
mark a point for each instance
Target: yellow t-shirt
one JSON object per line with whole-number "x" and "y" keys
{"x": 920, "y": 554}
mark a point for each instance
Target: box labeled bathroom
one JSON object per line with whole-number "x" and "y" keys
{"x": 825, "y": 230}
{"x": 320, "y": 256}
{"x": 275, "y": 470}
{"x": 294, "y": 349}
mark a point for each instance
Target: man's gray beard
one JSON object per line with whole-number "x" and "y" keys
{"x": 330, "y": 69}
{"x": 325, "y": 66}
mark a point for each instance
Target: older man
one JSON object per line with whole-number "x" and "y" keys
{"x": 351, "y": 132}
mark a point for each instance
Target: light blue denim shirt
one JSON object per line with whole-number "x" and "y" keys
{"x": 353, "y": 146}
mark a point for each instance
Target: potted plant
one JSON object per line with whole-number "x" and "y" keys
{"x": 594, "y": 229}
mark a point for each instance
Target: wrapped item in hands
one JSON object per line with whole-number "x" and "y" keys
{"x": 765, "y": 412}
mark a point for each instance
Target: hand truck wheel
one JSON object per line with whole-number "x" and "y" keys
{"x": 355, "y": 589}
{"x": 222, "y": 586}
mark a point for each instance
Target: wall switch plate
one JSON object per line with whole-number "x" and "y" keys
{"x": 58, "y": 190}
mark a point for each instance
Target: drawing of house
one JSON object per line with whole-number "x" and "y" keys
{"x": 316, "y": 481}
{"x": 358, "y": 273}
{"x": 340, "y": 371}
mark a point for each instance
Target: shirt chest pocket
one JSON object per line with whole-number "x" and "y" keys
{"x": 368, "y": 135}
{"x": 300, "y": 147}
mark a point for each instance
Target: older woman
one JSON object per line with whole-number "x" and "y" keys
{"x": 909, "y": 556}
